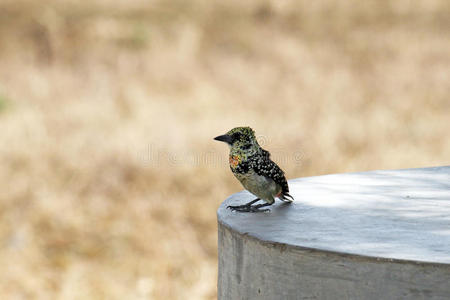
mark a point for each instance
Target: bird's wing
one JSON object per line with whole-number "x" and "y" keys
{"x": 265, "y": 153}
{"x": 264, "y": 166}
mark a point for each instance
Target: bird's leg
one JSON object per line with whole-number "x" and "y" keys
{"x": 243, "y": 206}
{"x": 256, "y": 208}
{"x": 251, "y": 208}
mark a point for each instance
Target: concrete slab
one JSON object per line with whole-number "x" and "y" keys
{"x": 398, "y": 219}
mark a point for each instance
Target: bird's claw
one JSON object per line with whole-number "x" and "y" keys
{"x": 237, "y": 207}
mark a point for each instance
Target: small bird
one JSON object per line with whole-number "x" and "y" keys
{"x": 252, "y": 166}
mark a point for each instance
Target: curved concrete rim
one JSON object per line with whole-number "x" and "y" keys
{"x": 331, "y": 252}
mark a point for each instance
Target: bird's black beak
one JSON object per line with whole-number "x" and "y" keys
{"x": 224, "y": 138}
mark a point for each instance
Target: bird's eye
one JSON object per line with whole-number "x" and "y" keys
{"x": 236, "y": 136}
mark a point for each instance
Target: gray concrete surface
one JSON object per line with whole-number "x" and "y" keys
{"x": 369, "y": 235}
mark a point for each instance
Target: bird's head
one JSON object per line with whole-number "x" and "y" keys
{"x": 239, "y": 137}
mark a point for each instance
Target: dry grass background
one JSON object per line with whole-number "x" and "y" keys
{"x": 109, "y": 175}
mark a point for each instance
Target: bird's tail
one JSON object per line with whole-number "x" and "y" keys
{"x": 286, "y": 197}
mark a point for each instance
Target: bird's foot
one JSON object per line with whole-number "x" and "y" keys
{"x": 247, "y": 208}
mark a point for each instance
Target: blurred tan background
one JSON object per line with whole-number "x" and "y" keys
{"x": 110, "y": 178}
